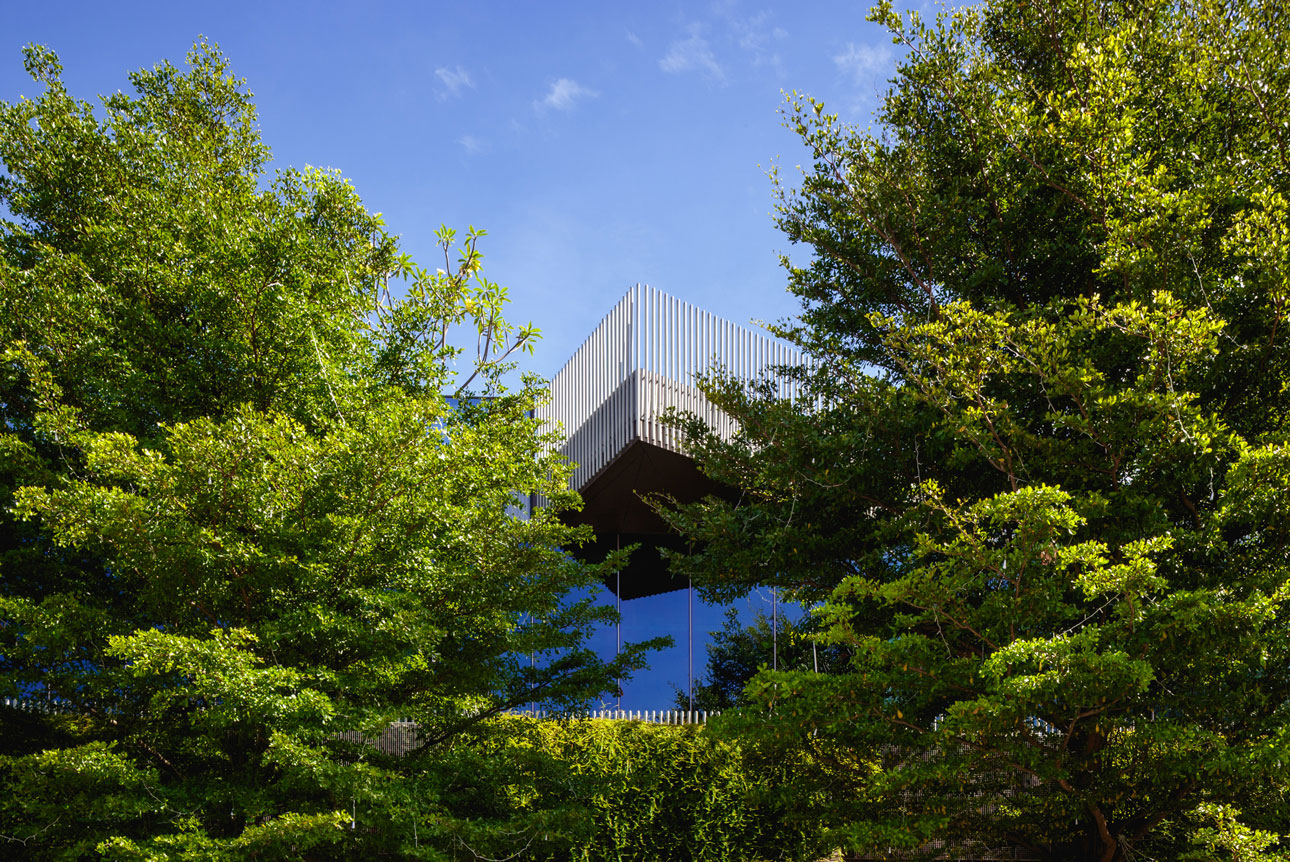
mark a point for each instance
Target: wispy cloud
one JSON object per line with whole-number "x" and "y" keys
{"x": 634, "y": 39}
{"x": 564, "y": 95}
{"x": 472, "y": 144}
{"x": 757, "y": 36}
{"x": 692, "y": 54}
{"x": 454, "y": 81}
{"x": 862, "y": 62}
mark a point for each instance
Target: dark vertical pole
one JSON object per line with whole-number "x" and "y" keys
{"x": 774, "y": 629}
{"x": 690, "y": 643}
{"x": 618, "y": 626}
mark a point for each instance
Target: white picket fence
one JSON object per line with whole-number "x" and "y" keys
{"x": 31, "y": 704}
{"x": 400, "y": 737}
{"x": 407, "y": 725}
{"x": 649, "y": 716}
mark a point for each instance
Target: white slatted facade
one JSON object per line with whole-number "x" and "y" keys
{"x": 642, "y": 359}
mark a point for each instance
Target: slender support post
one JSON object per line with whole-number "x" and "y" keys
{"x": 774, "y": 629}
{"x": 618, "y": 624}
{"x": 690, "y": 643}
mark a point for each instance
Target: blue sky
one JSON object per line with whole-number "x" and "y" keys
{"x": 600, "y": 144}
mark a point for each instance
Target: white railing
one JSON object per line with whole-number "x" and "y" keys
{"x": 643, "y": 359}
{"x": 400, "y": 737}
{"x": 35, "y": 704}
{"x": 649, "y": 716}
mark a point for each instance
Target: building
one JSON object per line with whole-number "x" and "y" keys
{"x": 609, "y": 400}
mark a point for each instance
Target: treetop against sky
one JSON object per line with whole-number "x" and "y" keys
{"x": 598, "y": 144}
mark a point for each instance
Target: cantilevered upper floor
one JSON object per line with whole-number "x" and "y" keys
{"x": 609, "y": 400}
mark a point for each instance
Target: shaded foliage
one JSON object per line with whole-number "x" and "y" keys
{"x": 608, "y": 790}
{"x": 738, "y": 651}
{"x": 240, "y": 517}
{"x": 1041, "y": 474}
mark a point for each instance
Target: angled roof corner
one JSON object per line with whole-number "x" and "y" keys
{"x": 609, "y": 399}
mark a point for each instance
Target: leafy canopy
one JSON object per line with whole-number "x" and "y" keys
{"x": 241, "y": 521}
{"x": 787, "y": 641}
{"x": 1042, "y": 474}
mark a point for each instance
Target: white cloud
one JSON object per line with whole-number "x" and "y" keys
{"x": 472, "y": 144}
{"x": 564, "y": 94}
{"x": 453, "y": 80}
{"x": 863, "y": 62}
{"x": 692, "y": 54}
{"x": 756, "y": 36}
{"x": 634, "y": 39}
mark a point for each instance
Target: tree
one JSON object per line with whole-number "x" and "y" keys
{"x": 738, "y": 651}
{"x": 633, "y": 790}
{"x": 1041, "y": 478}
{"x": 242, "y": 521}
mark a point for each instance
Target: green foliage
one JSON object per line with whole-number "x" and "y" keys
{"x": 608, "y": 790}
{"x": 1043, "y": 487}
{"x": 738, "y": 651}
{"x": 240, "y": 517}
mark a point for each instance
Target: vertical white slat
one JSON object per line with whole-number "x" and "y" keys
{"x": 682, "y": 379}
{"x": 678, "y": 341}
{"x": 660, "y": 333}
{"x": 723, "y": 347}
{"x": 682, "y": 365}
{"x": 670, "y": 334}
{"x": 615, "y": 399}
{"x": 632, "y": 330}
{"x": 644, "y": 357}
{"x": 624, "y": 364}
{"x": 620, "y": 368}
{"x": 652, "y": 325}
{"x": 682, "y": 313}
{"x": 605, "y": 369}
{"x": 760, "y": 348}
{"x": 681, "y": 351}
{"x": 687, "y": 342}
{"x": 647, "y": 367}
{"x": 739, "y": 367}
{"x": 712, "y": 352}
{"x": 658, "y": 321}
{"x": 647, "y": 358}
{"x": 699, "y": 361}
{"x": 745, "y": 354}
{"x": 774, "y": 359}
{"x": 749, "y": 354}
{"x": 668, "y": 370}
{"x": 606, "y": 410}
{"x": 647, "y": 363}
{"x": 701, "y": 354}
{"x": 631, "y": 326}
{"x": 664, "y": 308}
{"x": 691, "y": 344}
